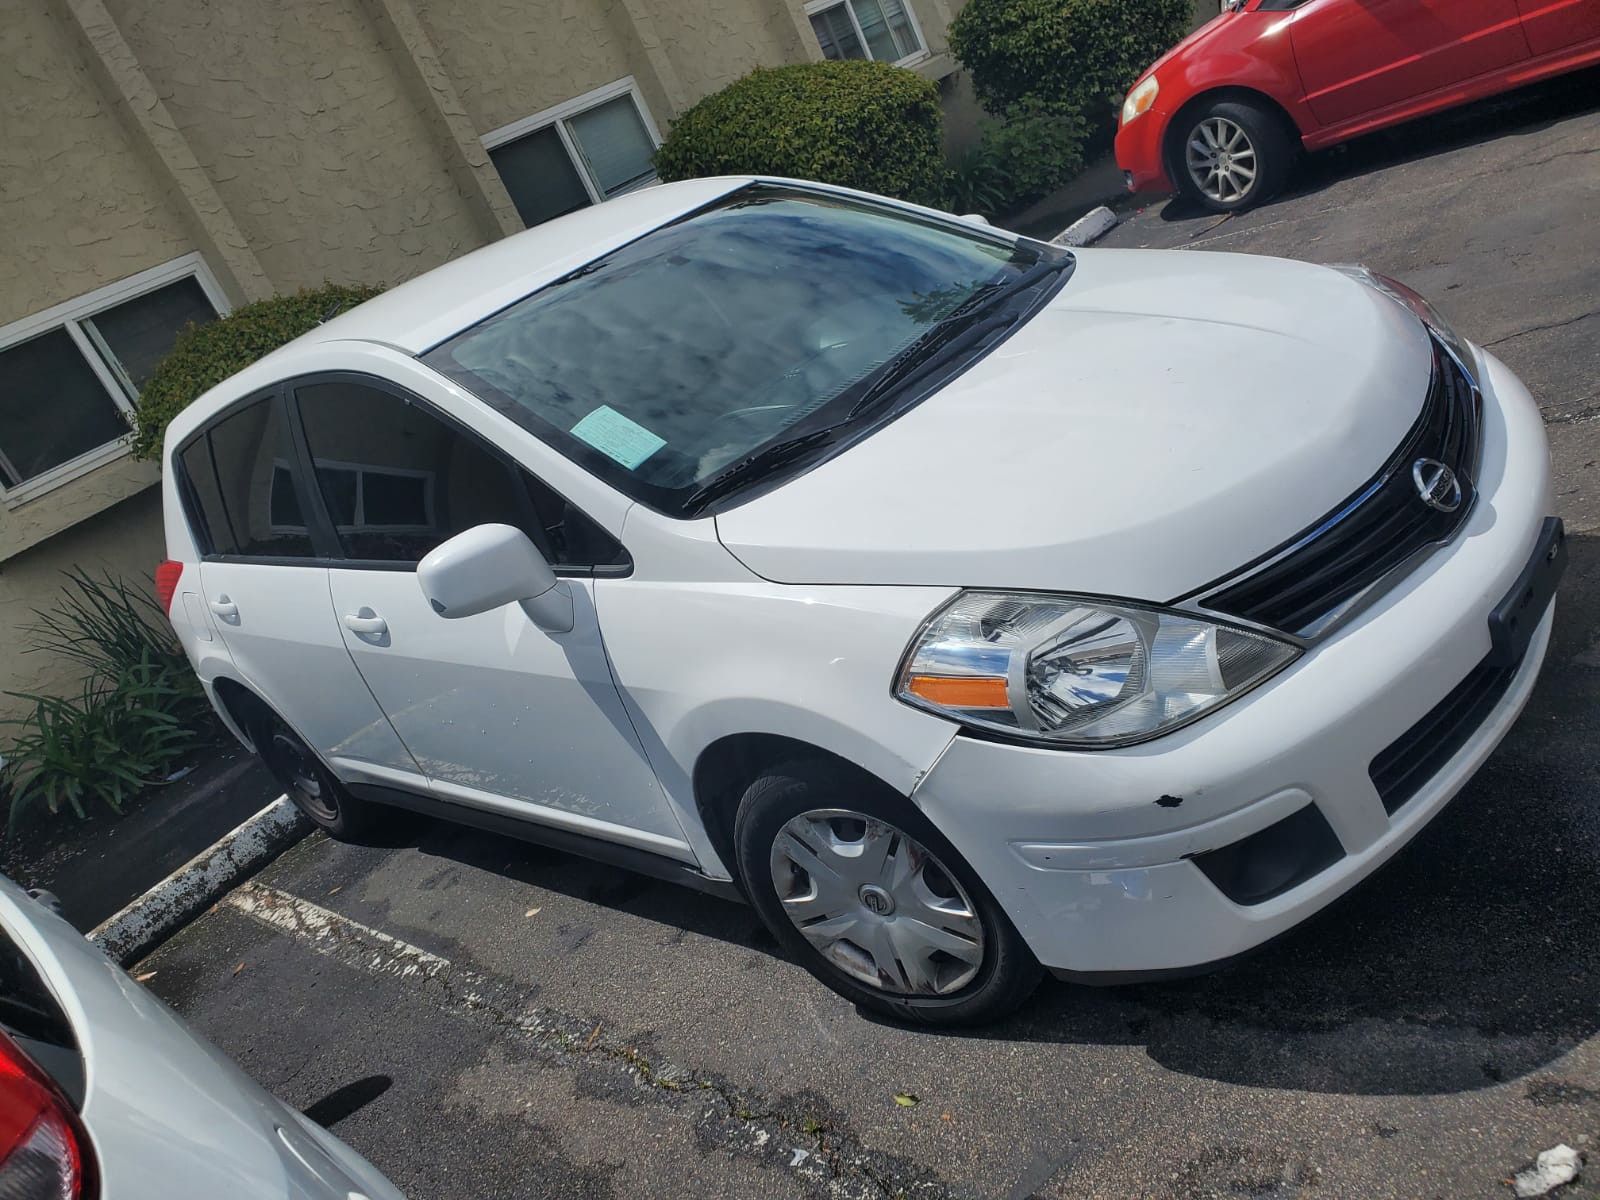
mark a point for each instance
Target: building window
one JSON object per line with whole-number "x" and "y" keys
{"x": 69, "y": 377}
{"x": 576, "y": 154}
{"x": 882, "y": 30}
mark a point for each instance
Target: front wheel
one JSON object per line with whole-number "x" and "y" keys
{"x": 1232, "y": 155}
{"x": 863, "y": 892}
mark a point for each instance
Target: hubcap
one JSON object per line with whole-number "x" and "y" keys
{"x": 301, "y": 774}
{"x": 1221, "y": 160}
{"x": 876, "y": 903}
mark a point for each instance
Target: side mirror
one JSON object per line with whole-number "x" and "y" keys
{"x": 974, "y": 218}
{"x": 489, "y": 566}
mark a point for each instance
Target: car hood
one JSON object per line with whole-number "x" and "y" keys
{"x": 1166, "y": 419}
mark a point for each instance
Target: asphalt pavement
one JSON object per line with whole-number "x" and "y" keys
{"x": 487, "y": 1019}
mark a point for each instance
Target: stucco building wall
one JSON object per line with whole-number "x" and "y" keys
{"x": 124, "y": 539}
{"x": 305, "y": 128}
{"x": 80, "y": 204}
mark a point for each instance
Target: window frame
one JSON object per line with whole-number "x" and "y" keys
{"x": 71, "y": 315}
{"x": 558, "y": 117}
{"x": 326, "y": 544}
{"x": 361, "y": 471}
{"x": 921, "y": 54}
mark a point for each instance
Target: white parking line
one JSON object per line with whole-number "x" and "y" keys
{"x": 832, "y": 1164}
{"x": 327, "y": 930}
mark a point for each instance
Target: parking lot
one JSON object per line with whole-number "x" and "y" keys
{"x": 484, "y": 1018}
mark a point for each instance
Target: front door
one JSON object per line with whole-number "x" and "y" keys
{"x": 268, "y": 592}
{"x": 1360, "y": 57}
{"x": 1556, "y": 25}
{"x": 498, "y": 713}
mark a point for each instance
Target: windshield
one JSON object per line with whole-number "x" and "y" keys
{"x": 745, "y": 323}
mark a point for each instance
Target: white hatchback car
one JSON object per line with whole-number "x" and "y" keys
{"x": 967, "y": 604}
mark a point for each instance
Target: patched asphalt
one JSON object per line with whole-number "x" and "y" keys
{"x": 597, "y": 1034}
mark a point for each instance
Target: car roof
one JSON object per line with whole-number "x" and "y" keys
{"x": 424, "y": 311}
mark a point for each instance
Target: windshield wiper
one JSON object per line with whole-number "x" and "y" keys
{"x": 762, "y": 462}
{"x": 961, "y": 329}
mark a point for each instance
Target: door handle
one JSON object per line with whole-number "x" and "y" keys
{"x": 224, "y": 608}
{"x": 366, "y": 623}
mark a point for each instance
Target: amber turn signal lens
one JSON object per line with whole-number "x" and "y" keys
{"x": 964, "y": 692}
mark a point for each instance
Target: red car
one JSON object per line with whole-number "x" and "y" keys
{"x": 1223, "y": 114}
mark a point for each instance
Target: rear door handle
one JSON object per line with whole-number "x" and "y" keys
{"x": 225, "y": 609}
{"x": 367, "y": 623}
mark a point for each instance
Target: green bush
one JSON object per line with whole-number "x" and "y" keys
{"x": 1017, "y": 161}
{"x": 1073, "y": 55}
{"x": 857, "y": 124}
{"x": 140, "y": 710}
{"x": 117, "y": 738}
{"x": 205, "y": 355}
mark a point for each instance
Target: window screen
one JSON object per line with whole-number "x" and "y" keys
{"x": 616, "y": 145}
{"x": 836, "y": 34}
{"x": 52, "y": 407}
{"x": 138, "y": 333}
{"x": 884, "y": 24}
{"x": 540, "y": 176}
{"x": 238, "y": 478}
{"x": 397, "y": 480}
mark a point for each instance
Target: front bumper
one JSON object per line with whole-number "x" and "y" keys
{"x": 1088, "y": 853}
{"x": 1138, "y": 150}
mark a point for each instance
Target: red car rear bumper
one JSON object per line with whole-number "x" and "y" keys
{"x": 1139, "y": 153}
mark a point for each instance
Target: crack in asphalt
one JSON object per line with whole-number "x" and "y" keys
{"x": 1594, "y": 312}
{"x": 824, "y": 1154}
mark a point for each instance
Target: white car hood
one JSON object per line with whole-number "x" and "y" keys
{"x": 1166, "y": 419}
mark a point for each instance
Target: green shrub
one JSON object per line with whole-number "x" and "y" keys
{"x": 975, "y": 184}
{"x": 205, "y": 355}
{"x": 857, "y": 124}
{"x": 108, "y": 627}
{"x": 118, "y": 737}
{"x": 1017, "y": 161}
{"x": 140, "y": 710}
{"x": 1070, "y": 54}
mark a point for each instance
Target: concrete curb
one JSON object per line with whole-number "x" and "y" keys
{"x": 129, "y": 935}
{"x": 1090, "y": 227}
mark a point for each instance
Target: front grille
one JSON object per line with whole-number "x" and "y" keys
{"x": 1304, "y": 587}
{"x": 1421, "y": 752}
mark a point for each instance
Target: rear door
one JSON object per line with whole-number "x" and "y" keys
{"x": 498, "y": 713}
{"x": 1360, "y": 57}
{"x": 1555, "y": 25}
{"x": 264, "y": 581}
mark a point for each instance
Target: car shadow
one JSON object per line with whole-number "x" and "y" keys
{"x": 1524, "y": 111}
{"x": 1469, "y": 960}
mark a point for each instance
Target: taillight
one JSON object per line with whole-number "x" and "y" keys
{"x": 167, "y": 575}
{"x": 43, "y": 1149}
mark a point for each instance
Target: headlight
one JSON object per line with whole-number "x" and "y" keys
{"x": 1080, "y": 672}
{"x": 1426, "y": 313}
{"x": 1140, "y": 99}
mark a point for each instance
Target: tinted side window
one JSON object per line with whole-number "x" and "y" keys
{"x": 398, "y": 480}
{"x": 237, "y": 475}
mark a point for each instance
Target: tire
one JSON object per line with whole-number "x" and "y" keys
{"x": 1216, "y": 145}
{"x": 306, "y": 780}
{"x": 800, "y": 808}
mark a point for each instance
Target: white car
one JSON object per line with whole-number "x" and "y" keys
{"x": 969, "y": 605}
{"x": 106, "y": 1095}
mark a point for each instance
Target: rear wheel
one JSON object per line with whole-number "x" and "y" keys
{"x": 863, "y": 891}
{"x": 307, "y": 781}
{"x": 1232, "y": 155}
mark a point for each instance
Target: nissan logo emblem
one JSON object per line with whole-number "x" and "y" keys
{"x": 1436, "y": 484}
